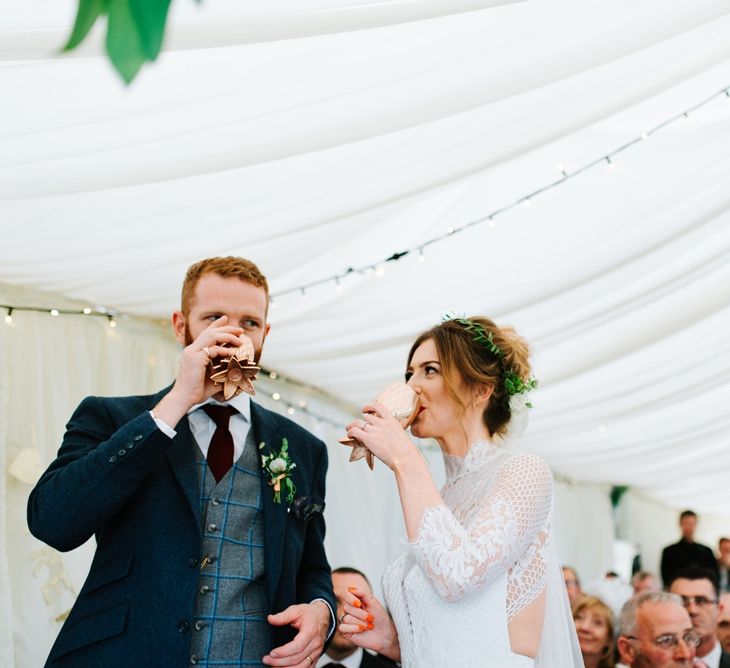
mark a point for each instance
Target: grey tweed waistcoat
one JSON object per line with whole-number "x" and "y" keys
{"x": 230, "y": 627}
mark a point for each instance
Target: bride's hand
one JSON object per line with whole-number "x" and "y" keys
{"x": 382, "y": 434}
{"x": 366, "y": 622}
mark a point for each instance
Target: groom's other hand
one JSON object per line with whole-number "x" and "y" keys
{"x": 312, "y": 620}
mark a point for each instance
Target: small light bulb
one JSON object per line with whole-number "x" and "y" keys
{"x": 112, "y": 323}
{"x": 276, "y": 396}
{"x": 302, "y": 403}
{"x": 273, "y": 375}
{"x": 54, "y": 312}
{"x": 290, "y": 410}
{"x": 87, "y": 311}
{"x": 528, "y": 201}
{"x": 380, "y": 270}
{"x": 492, "y": 222}
{"x": 9, "y": 319}
{"x": 449, "y": 230}
{"x": 645, "y": 135}
{"x": 421, "y": 256}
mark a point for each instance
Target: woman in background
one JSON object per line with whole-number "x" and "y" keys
{"x": 594, "y": 624}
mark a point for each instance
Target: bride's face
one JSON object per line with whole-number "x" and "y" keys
{"x": 439, "y": 413}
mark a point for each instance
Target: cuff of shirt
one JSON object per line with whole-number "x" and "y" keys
{"x": 166, "y": 429}
{"x": 332, "y": 617}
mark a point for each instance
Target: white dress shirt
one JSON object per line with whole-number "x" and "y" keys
{"x": 713, "y": 658}
{"x": 202, "y": 427}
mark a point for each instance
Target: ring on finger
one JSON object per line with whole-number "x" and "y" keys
{"x": 311, "y": 661}
{"x": 341, "y": 618}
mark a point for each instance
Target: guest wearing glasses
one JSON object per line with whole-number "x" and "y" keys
{"x": 698, "y": 589}
{"x": 655, "y": 631}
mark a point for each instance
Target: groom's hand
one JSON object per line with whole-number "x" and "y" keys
{"x": 312, "y": 620}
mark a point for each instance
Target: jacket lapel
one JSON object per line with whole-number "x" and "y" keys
{"x": 266, "y": 430}
{"x": 181, "y": 456}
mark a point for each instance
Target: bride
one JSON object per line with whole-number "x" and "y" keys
{"x": 479, "y": 584}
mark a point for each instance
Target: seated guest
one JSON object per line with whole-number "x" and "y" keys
{"x": 594, "y": 624}
{"x": 572, "y": 584}
{"x": 723, "y": 625}
{"x": 343, "y": 653}
{"x": 699, "y": 592}
{"x": 686, "y": 552}
{"x": 655, "y": 631}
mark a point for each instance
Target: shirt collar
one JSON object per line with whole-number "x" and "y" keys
{"x": 242, "y": 403}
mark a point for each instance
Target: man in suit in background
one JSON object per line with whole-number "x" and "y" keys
{"x": 686, "y": 552}
{"x": 699, "y": 592}
{"x": 343, "y": 653}
{"x": 193, "y": 551}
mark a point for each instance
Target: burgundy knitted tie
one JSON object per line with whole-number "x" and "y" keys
{"x": 220, "y": 450}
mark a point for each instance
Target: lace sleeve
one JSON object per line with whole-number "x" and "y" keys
{"x": 458, "y": 558}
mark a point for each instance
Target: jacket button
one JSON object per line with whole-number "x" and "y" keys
{"x": 138, "y": 437}
{"x": 192, "y": 562}
{"x": 215, "y": 501}
{"x": 122, "y": 452}
{"x": 199, "y": 626}
{"x": 193, "y": 659}
{"x": 183, "y": 626}
{"x": 205, "y": 589}
{"x": 112, "y": 459}
{"x": 212, "y": 528}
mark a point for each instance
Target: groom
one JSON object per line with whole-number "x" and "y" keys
{"x": 193, "y": 552}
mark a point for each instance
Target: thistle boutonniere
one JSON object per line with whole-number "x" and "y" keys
{"x": 278, "y": 466}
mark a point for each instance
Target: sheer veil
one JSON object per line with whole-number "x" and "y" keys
{"x": 559, "y": 646}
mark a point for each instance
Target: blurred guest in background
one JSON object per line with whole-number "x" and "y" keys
{"x": 572, "y": 584}
{"x": 644, "y": 581}
{"x": 655, "y": 631}
{"x": 698, "y": 589}
{"x": 594, "y": 624}
{"x": 723, "y": 624}
{"x": 723, "y": 563}
{"x": 686, "y": 552}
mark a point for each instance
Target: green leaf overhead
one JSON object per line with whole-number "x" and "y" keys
{"x": 150, "y": 17}
{"x": 86, "y": 15}
{"x": 123, "y": 40}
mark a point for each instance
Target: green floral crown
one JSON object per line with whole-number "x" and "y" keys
{"x": 513, "y": 382}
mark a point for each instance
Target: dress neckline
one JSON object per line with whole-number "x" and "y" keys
{"x": 478, "y": 455}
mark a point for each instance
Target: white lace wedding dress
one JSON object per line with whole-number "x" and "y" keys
{"x": 477, "y": 562}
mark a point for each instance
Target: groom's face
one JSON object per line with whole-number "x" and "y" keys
{"x": 244, "y": 304}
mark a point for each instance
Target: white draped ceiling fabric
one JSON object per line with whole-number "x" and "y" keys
{"x": 317, "y": 135}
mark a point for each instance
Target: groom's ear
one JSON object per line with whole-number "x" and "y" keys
{"x": 178, "y": 326}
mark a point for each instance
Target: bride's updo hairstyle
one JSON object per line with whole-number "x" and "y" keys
{"x": 469, "y": 365}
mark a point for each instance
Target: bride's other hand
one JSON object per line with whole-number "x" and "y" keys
{"x": 367, "y": 623}
{"x": 382, "y": 434}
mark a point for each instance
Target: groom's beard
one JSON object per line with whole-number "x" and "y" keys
{"x": 189, "y": 339}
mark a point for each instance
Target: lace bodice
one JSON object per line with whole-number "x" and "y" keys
{"x": 478, "y": 560}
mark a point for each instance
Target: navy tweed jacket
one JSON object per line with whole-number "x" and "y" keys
{"x": 119, "y": 478}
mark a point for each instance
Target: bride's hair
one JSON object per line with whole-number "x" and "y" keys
{"x": 469, "y": 363}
